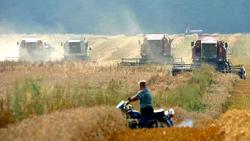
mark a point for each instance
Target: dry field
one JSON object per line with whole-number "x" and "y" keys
{"x": 29, "y": 89}
{"x": 173, "y": 134}
{"x": 110, "y": 49}
{"x": 76, "y": 100}
{"x": 105, "y": 49}
{"x": 235, "y": 122}
{"x": 233, "y": 125}
{"x": 96, "y": 123}
{"x": 35, "y": 97}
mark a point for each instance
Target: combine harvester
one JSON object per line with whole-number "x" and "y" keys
{"x": 34, "y": 49}
{"x": 210, "y": 50}
{"x": 155, "y": 49}
{"x": 76, "y": 50}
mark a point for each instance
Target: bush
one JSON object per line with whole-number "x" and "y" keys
{"x": 26, "y": 99}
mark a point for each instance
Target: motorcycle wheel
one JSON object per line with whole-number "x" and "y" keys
{"x": 169, "y": 123}
{"x": 133, "y": 124}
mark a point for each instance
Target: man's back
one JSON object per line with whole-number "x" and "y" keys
{"x": 145, "y": 98}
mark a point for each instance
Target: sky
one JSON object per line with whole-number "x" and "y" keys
{"x": 124, "y": 16}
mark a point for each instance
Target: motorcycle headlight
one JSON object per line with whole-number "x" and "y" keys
{"x": 120, "y": 105}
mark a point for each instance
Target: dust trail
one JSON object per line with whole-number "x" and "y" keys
{"x": 186, "y": 123}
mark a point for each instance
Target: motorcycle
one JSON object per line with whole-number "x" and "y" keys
{"x": 159, "y": 119}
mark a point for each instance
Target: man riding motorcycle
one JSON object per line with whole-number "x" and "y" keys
{"x": 146, "y": 105}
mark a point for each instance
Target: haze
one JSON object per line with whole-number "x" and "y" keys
{"x": 123, "y": 16}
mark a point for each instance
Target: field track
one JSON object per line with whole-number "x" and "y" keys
{"x": 235, "y": 122}
{"x": 228, "y": 131}
{"x": 241, "y": 93}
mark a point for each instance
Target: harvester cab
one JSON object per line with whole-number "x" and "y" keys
{"x": 76, "y": 50}
{"x": 212, "y": 51}
{"x": 155, "y": 49}
{"x": 33, "y": 49}
{"x": 209, "y": 50}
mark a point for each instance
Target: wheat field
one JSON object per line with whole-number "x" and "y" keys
{"x": 76, "y": 100}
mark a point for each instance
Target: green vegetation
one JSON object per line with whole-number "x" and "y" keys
{"x": 39, "y": 94}
{"x": 189, "y": 95}
{"x": 31, "y": 97}
{"x": 39, "y": 89}
{"x": 240, "y": 98}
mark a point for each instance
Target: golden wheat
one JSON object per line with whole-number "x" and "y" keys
{"x": 97, "y": 123}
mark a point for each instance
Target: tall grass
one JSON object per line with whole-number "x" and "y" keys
{"x": 31, "y": 97}
{"x": 37, "y": 89}
{"x": 50, "y": 87}
{"x": 240, "y": 98}
{"x": 38, "y": 94}
{"x": 189, "y": 95}
{"x": 88, "y": 124}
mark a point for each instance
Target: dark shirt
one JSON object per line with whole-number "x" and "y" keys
{"x": 145, "y": 98}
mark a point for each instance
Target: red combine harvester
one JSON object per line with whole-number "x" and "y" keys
{"x": 210, "y": 50}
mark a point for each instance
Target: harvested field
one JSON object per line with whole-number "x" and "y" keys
{"x": 173, "y": 134}
{"x": 241, "y": 94}
{"x": 235, "y": 125}
{"x": 76, "y": 100}
{"x": 235, "y": 122}
{"x": 57, "y": 93}
{"x": 110, "y": 49}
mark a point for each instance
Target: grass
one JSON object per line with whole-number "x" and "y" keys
{"x": 240, "y": 95}
{"x": 33, "y": 95}
{"x": 189, "y": 95}
{"x": 55, "y": 87}
{"x": 46, "y": 99}
{"x": 235, "y": 121}
{"x": 39, "y": 89}
{"x": 29, "y": 97}
{"x": 88, "y": 124}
